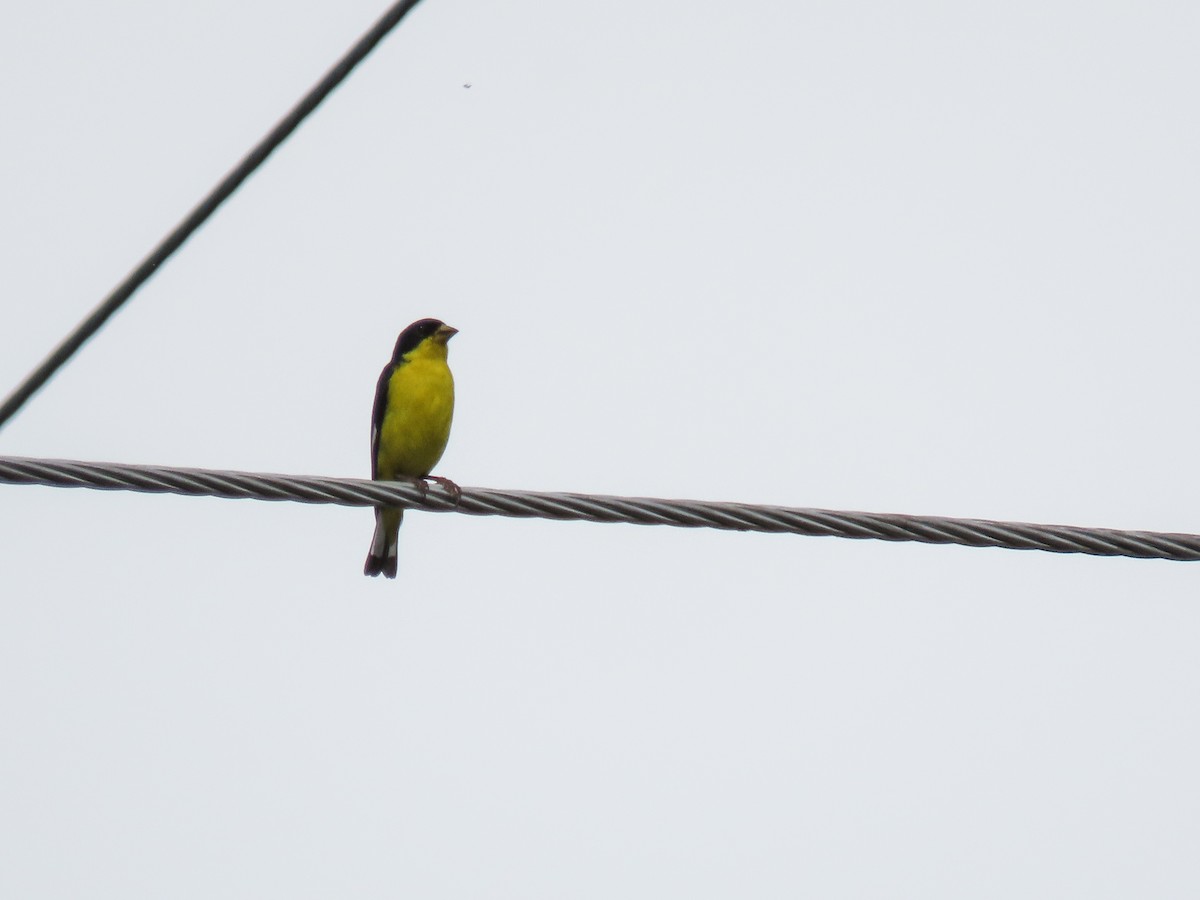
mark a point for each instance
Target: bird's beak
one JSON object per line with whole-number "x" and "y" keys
{"x": 444, "y": 334}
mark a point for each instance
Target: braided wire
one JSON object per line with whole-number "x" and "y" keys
{"x": 599, "y": 508}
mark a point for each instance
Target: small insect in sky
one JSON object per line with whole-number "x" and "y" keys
{"x": 467, "y": 85}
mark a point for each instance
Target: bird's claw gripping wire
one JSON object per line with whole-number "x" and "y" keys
{"x": 447, "y": 485}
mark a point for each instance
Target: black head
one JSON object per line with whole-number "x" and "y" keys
{"x": 411, "y": 337}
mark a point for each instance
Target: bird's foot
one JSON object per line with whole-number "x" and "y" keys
{"x": 448, "y": 486}
{"x": 420, "y": 485}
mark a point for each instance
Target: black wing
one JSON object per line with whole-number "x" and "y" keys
{"x": 381, "y": 401}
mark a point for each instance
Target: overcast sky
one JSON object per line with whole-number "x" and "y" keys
{"x": 919, "y": 257}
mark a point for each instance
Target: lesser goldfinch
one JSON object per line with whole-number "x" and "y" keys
{"x": 410, "y": 425}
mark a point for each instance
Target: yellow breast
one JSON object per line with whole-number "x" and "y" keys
{"x": 420, "y": 407}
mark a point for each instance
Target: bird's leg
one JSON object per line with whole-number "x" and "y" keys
{"x": 421, "y": 485}
{"x": 448, "y": 486}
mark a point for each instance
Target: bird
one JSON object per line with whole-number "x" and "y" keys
{"x": 410, "y": 425}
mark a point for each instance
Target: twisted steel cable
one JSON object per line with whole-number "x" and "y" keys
{"x": 218, "y": 195}
{"x": 598, "y": 508}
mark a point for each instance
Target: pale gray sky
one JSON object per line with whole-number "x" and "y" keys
{"x": 923, "y": 258}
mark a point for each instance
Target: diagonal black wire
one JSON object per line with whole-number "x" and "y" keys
{"x": 598, "y": 508}
{"x": 230, "y": 183}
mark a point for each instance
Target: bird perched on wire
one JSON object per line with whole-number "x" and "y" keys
{"x": 410, "y": 425}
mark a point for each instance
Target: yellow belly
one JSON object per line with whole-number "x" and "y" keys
{"x": 416, "y": 425}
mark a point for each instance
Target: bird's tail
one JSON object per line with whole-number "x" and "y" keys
{"x": 382, "y": 558}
